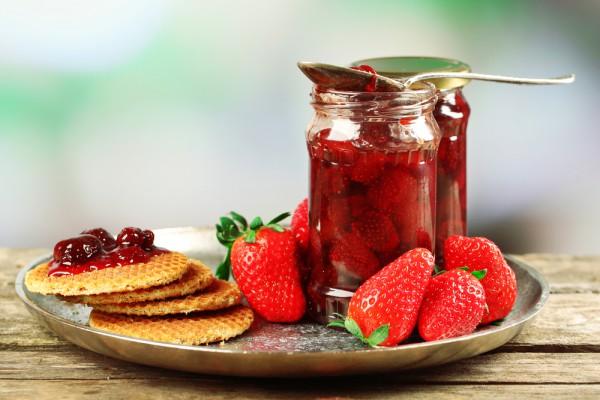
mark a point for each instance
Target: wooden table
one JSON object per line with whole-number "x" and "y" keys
{"x": 557, "y": 356}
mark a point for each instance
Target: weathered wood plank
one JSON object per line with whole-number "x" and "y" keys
{"x": 156, "y": 389}
{"x": 67, "y": 363}
{"x": 567, "y": 274}
{"x": 566, "y": 320}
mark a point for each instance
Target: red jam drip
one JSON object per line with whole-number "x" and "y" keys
{"x": 96, "y": 249}
{"x": 116, "y": 258}
{"x": 371, "y": 86}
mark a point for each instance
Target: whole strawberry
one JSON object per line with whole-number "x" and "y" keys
{"x": 394, "y": 191}
{"x": 499, "y": 283}
{"x": 265, "y": 263}
{"x": 299, "y": 224}
{"x": 350, "y": 253}
{"x": 384, "y": 309}
{"x": 377, "y": 230}
{"x": 453, "y": 305}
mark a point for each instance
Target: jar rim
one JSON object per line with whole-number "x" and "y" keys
{"x": 418, "y": 88}
{"x": 421, "y": 98}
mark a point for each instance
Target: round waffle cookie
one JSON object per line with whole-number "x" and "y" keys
{"x": 159, "y": 270}
{"x": 192, "y": 329}
{"x": 198, "y": 277}
{"x": 220, "y": 294}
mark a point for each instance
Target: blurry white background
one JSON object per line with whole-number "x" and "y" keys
{"x": 167, "y": 113}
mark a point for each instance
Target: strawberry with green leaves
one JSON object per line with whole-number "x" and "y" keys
{"x": 265, "y": 264}
{"x": 384, "y": 309}
{"x": 453, "y": 304}
{"x": 500, "y": 284}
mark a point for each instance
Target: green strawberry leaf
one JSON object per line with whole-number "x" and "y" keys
{"x": 275, "y": 227}
{"x": 228, "y": 229}
{"x": 222, "y": 240}
{"x": 250, "y": 237}
{"x": 352, "y": 327}
{"x": 226, "y": 222}
{"x": 479, "y": 274}
{"x": 256, "y": 223}
{"x": 498, "y": 322}
{"x": 336, "y": 323}
{"x": 224, "y": 268}
{"x": 240, "y": 219}
{"x": 437, "y": 269}
{"x": 465, "y": 268}
{"x": 279, "y": 218}
{"x": 378, "y": 335}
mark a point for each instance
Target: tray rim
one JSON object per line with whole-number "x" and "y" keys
{"x": 528, "y": 316}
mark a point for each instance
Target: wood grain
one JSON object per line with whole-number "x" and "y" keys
{"x": 179, "y": 389}
{"x": 557, "y": 356}
{"x": 568, "y": 274}
{"x": 69, "y": 363}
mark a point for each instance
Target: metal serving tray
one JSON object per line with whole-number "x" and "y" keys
{"x": 278, "y": 350}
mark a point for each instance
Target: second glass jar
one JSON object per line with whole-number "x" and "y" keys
{"x": 372, "y": 187}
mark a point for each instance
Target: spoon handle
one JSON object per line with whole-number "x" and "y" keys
{"x": 495, "y": 78}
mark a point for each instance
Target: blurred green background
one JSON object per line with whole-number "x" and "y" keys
{"x": 166, "y": 113}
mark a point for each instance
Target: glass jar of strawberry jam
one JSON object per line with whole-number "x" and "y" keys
{"x": 372, "y": 187}
{"x": 452, "y": 114}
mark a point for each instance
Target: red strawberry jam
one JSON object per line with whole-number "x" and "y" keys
{"x": 372, "y": 187}
{"x": 97, "y": 249}
{"x": 373, "y": 83}
{"x": 451, "y": 113}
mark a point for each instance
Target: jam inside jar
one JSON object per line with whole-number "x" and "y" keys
{"x": 452, "y": 114}
{"x": 372, "y": 187}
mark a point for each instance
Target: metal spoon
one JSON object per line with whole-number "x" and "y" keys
{"x": 330, "y": 76}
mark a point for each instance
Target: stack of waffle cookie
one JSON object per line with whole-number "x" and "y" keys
{"x": 170, "y": 298}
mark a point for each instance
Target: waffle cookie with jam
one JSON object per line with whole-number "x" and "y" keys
{"x": 130, "y": 276}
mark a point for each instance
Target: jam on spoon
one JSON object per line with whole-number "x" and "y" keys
{"x": 96, "y": 249}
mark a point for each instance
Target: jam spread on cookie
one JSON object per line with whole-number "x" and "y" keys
{"x": 97, "y": 249}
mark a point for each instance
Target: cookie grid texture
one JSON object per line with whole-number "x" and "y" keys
{"x": 219, "y": 295}
{"x": 198, "y": 277}
{"x": 192, "y": 329}
{"x": 159, "y": 270}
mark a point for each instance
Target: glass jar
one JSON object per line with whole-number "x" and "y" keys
{"x": 372, "y": 187}
{"x": 452, "y": 114}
